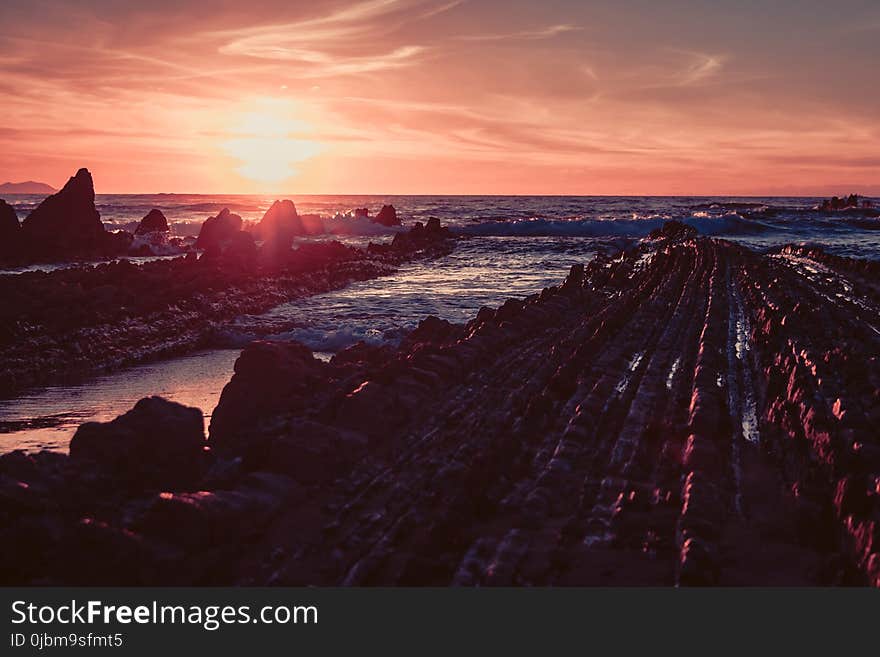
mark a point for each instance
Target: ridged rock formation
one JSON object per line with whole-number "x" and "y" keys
{"x": 675, "y": 416}
{"x": 81, "y": 320}
{"x": 688, "y": 412}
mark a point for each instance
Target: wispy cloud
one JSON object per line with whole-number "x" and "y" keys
{"x": 701, "y": 67}
{"x": 439, "y": 9}
{"x": 324, "y": 44}
{"x": 323, "y": 64}
{"x": 528, "y": 35}
{"x": 423, "y": 94}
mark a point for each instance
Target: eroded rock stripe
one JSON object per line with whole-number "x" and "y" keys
{"x": 687, "y": 413}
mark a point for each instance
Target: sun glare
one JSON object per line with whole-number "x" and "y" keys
{"x": 270, "y": 141}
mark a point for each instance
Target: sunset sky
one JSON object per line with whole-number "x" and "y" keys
{"x": 443, "y": 96}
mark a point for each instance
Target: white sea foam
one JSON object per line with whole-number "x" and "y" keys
{"x": 346, "y": 224}
{"x": 671, "y": 377}
{"x": 729, "y": 224}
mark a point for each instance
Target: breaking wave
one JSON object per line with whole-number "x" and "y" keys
{"x": 728, "y": 224}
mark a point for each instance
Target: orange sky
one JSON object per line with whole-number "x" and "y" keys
{"x": 443, "y": 96}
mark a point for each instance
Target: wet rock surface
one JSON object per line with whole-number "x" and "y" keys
{"x": 687, "y": 412}
{"x": 152, "y": 237}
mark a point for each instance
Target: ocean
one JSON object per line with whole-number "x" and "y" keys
{"x": 759, "y": 221}
{"x": 512, "y": 246}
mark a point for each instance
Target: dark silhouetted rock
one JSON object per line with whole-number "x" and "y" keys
{"x": 387, "y": 216}
{"x": 10, "y": 229}
{"x": 239, "y": 251}
{"x": 852, "y": 204}
{"x": 9, "y": 223}
{"x": 157, "y": 443}
{"x": 673, "y": 230}
{"x": 278, "y": 228}
{"x": 242, "y": 248}
{"x": 67, "y": 222}
{"x": 421, "y": 235}
{"x": 154, "y": 222}
{"x": 151, "y": 236}
{"x": 361, "y": 213}
{"x": 216, "y": 231}
{"x": 267, "y": 374}
{"x": 131, "y": 302}
{"x": 835, "y": 203}
{"x": 434, "y": 330}
{"x": 117, "y": 242}
{"x": 280, "y": 221}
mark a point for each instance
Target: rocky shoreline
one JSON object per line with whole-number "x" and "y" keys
{"x": 78, "y": 321}
{"x": 686, "y": 412}
{"x": 66, "y": 227}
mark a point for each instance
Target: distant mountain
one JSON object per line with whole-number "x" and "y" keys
{"x": 29, "y": 187}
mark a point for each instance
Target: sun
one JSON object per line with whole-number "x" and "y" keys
{"x": 270, "y": 141}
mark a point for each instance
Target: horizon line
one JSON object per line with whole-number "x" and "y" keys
{"x": 871, "y": 192}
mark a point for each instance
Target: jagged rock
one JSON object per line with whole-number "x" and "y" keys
{"x": 153, "y": 222}
{"x": 846, "y": 203}
{"x": 421, "y": 235}
{"x": 238, "y": 251}
{"x": 241, "y": 249}
{"x": 361, "y": 213}
{"x": 66, "y": 223}
{"x": 157, "y": 443}
{"x": 672, "y": 230}
{"x": 387, "y": 216}
{"x": 434, "y": 330}
{"x": 278, "y": 228}
{"x": 9, "y": 223}
{"x": 217, "y": 231}
{"x": 10, "y": 229}
{"x": 364, "y": 354}
{"x": 151, "y": 236}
